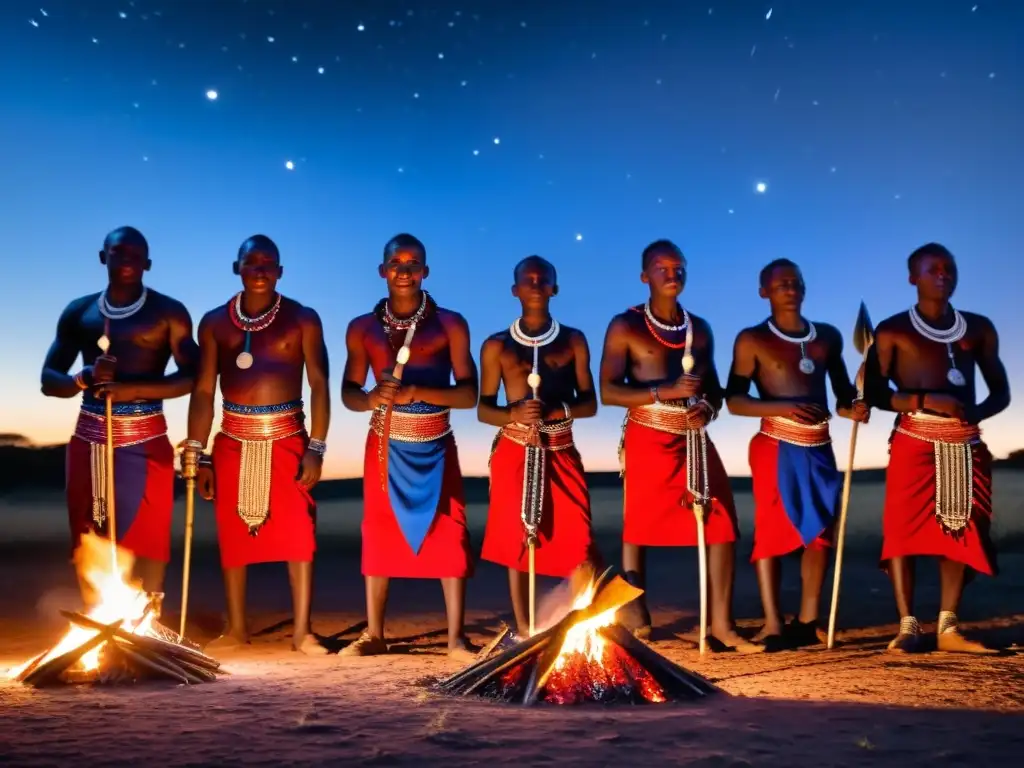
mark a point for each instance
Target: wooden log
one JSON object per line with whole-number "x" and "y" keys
{"x": 501, "y": 661}
{"x": 150, "y": 643}
{"x": 52, "y": 669}
{"x": 151, "y": 664}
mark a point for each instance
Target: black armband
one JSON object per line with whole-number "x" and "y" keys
{"x": 737, "y": 385}
{"x": 490, "y": 401}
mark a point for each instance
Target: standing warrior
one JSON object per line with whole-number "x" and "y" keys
{"x": 938, "y": 492}
{"x": 414, "y": 520}
{"x": 548, "y": 497}
{"x": 264, "y": 462}
{"x": 796, "y": 483}
{"x": 658, "y": 362}
{"x": 126, "y": 336}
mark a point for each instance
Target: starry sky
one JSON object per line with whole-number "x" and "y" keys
{"x": 841, "y": 135}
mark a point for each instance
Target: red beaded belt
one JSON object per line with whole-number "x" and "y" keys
{"x": 130, "y": 429}
{"x": 937, "y": 429}
{"x": 262, "y": 426}
{"x": 789, "y": 431}
{"x": 413, "y": 427}
{"x": 554, "y": 436}
{"x": 667, "y": 417}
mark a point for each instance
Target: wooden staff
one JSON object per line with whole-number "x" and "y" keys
{"x": 396, "y": 376}
{"x": 189, "y": 469}
{"x": 111, "y": 505}
{"x": 863, "y": 338}
{"x": 698, "y": 511}
{"x": 531, "y": 538}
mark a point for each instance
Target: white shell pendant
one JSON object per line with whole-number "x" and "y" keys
{"x": 688, "y": 363}
{"x": 103, "y": 343}
{"x": 956, "y": 378}
{"x": 403, "y": 355}
{"x": 533, "y": 380}
{"x": 244, "y": 360}
{"x": 806, "y": 365}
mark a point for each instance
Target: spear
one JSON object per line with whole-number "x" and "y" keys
{"x": 863, "y": 338}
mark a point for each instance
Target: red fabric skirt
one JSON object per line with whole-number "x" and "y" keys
{"x": 445, "y": 552}
{"x": 289, "y": 533}
{"x": 774, "y": 533}
{"x": 143, "y": 495}
{"x": 658, "y": 509}
{"x": 909, "y": 526}
{"x": 565, "y": 539}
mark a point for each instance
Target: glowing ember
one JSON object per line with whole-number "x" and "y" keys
{"x": 116, "y": 599}
{"x": 585, "y": 657}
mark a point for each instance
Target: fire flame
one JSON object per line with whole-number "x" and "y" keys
{"x": 115, "y": 598}
{"x": 583, "y": 639}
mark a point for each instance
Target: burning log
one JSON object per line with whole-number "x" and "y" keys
{"x": 586, "y": 656}
{"x": 120, "y": 639}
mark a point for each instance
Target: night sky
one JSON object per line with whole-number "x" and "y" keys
{"x": 841, "y": 135}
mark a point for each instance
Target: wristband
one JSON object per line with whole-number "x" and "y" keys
{"x": 654, "y": 394}
{"x": 567, "y": 409}
{"x": 79, "y": 379}
{"x": 205, "y": 460}
{"x": 319, "y": 447}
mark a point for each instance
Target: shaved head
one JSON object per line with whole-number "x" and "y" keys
{"x": 535, "y": 261}
{"x": 404, "y": 242}
{"x": 125, "y": 236}
{"x": 259, "y": 243}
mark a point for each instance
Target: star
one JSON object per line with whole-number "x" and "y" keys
{"x": 289, "y": 165}
{"x": 33, "y": 22}
{"x": 497, "y": 140}
{"x": 270, "y": 38}
{"x": 476, "y": 152}
{"x": 578, "y": 237}
{"x": 768, "y": 15}
{"x": 320, "y": 70}
{"x": 122, "y": 14}
{"x": 761, "y": 188}
{"x": 212, "y": 95}
{"x": 440, "y": 55}
{"x": 361, "y": 28}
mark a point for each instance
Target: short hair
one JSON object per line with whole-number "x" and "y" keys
{"x": 766, "y": 272}
{"x": 403, "y": 242}
{"x": 260, "y": 243}
{"x": 125, "y": 233}
{"x": 929, "y": 249}
{"x": 539, "y": 261}
{"x": 659, "y": 246}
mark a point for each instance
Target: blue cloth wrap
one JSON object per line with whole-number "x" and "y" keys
{"x": 809, "y": 486}
{"x": 415, "y": 479}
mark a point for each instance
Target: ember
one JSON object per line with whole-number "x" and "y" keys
{"x": 585, "y": 657}
{"x": 119, "y": 640}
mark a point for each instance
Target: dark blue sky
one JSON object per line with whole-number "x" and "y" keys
{"x": 492, "y": 130}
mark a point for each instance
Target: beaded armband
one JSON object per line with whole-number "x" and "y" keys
{"x": 319, "y": 447}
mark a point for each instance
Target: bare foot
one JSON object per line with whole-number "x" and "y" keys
{"x": 954, "y": 642}
{"x": 366, "y": 645}
{"x": 462, "y": 650}
{"x": 227, "y": 642}
{"x": 309, "y": 645}
{"x": 729, "y": 640}
{"x": 908, "y": 640}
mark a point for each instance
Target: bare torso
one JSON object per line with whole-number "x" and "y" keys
{"x": 918, "y": 364}
{"x": 276, "y": 375}
{"x": 430, "y": 361}
{"x": 649, "y": 361}
{"x": 142, "y": 343}
{"x": 777, "y": 374}
{"x": 556, "y": 366}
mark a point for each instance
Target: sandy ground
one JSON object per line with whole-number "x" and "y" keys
{"x": 854, "y": 705}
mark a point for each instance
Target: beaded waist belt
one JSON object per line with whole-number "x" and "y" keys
{"x": 954, "y": 464}
{"x": 256, "y": 427}
{"x": 413, "y": 427}
{"x": 262, "y": 422}
{"x": 132, "y": 423}
{"x": 937, "y": 429}
{"x": 554, "y": 436}
{"x": 666, "y": 417}
{"x": 789, "y": 431}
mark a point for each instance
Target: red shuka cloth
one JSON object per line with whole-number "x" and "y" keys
{"x": 152, "y": 496}
{"x": 655, "y": 493}
{"x": 774, "y": 533}
{"x": 565, "y": 539}
{"x": 909, "y": 526}
{"x": 289, "y": 533}
{"x": 445, "y": 552}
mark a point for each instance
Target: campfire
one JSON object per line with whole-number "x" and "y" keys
{"x": 119, "y": 640}
{"x": 585, "y": 657}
